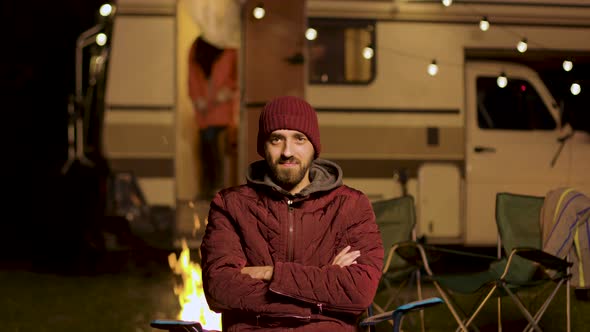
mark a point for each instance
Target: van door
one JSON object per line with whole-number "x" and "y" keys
{"x": 512, "y": 138}
{"x": 273, "y": 64}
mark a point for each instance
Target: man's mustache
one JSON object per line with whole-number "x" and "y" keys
{"x": 290, "y": 160}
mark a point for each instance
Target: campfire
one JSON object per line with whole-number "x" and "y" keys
{"x": 190, "y": 293}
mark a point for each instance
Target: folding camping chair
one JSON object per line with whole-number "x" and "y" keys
{"x": 396, "y": 316}
{"x": 396, "y": 219}
{"x": 521, "y": 265}
{"x": 519, "y": 227}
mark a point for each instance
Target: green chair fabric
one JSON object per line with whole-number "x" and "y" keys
{"x": 396, "y": 219}
{"x": 518, "y": 221}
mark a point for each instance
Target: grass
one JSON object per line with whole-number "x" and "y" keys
{"x": 126, "y": 296}
{"x": 125, "y": 300}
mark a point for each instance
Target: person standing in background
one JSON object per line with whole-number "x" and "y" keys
{"x": 213, "y": 89}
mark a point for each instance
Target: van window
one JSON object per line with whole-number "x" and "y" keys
{"x": 517, "y": 106}
{"x": 343, "y": 51}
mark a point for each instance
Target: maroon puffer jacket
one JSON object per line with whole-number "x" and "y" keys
{"x": 261, "y": 224}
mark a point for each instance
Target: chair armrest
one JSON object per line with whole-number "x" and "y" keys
{"x": 401, "y": 310}
{"x": 543, "y": 258}
{"x": 424, "y": 255}
{"x": 412, "y": 252}
{"x": 174, "y": 325}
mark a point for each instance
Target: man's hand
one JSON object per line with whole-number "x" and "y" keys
{"x": 346, "y": 257}
{"x": 259, "y": 272}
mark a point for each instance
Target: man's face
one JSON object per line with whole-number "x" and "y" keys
{"x": 289, "y": 154}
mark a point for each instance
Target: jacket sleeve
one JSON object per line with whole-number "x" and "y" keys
{"x": 226, "y": 288}
{"x": 350, "y": 289}
{"x": 222, "y": 259}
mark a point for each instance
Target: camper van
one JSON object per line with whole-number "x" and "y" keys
{"x": 451, "y": 110}
{"x": 413, "y": 97}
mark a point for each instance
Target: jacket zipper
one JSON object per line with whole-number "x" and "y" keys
{"x": 290, "y": 250}
{"x": 290, "y": 239}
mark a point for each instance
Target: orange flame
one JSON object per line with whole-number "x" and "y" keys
{"x": 190, "y": 294}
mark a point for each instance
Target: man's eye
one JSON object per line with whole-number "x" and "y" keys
{"x": 301, "y": 139}
{"x": 275, "y": 139}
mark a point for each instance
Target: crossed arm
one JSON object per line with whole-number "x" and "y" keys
{"x": 343, "y": 259}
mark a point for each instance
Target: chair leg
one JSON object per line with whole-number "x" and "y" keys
{"x": 522, "y": 309}
{"x": 419, "y": 289}
{"x": 499, "y": 314}
{"x": 481, "y": 305}
{"x": 446, "y": 297}
{"x": 394, "y": 294}
{"x": 399, "y": 292}
{"x": 567, "y": 297}
{"x": 568, "y": 306}
{"x": 370, "y": 328}
{"x": 545, "y": 305}
{"x": 397, "y": 321}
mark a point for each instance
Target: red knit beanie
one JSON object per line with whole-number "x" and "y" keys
{"x": 291, "y": 113}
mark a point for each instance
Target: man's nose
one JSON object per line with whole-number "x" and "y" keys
{"x": 287, "y": 149}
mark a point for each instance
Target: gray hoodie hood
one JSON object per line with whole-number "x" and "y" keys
{"x": 324, "y": 175}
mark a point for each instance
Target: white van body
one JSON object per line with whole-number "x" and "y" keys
{"x": 386, "y": 122}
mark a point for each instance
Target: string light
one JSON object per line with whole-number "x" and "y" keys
{"x": 368, "y": 52}
{"x": 105, "y": 10}
{"x": 502, "y": 81}
{"x": 311, "y": 34}
{"x": 575, "y": 89}
{"x": 522, "y": 45}
{"x": 484, "y": 24}
{"x": 432, "y": 68}
{"x": 258, "y": 12}
{"x": 101, "y": 39}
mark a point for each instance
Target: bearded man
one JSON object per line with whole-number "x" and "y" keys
{"x": 293, "y": 248}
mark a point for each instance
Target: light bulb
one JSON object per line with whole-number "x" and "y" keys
{"x": 105, "y": 10}
{"x": 502, "y": 81}
{"x": 368, "y": 52}
{"x": 484, "y": 24}
{"x": 101, "y": 39}
{"x": 258, "y": 12}
{"x": 311, "y": 34}
{"x": 575, "y": 89}
{"x": 447, "y": 3}
{"x": 568, "y": 65}
{"x": 432, "y": 68}
{"x": 522, "y": 45}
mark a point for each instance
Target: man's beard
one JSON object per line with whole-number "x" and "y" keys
{"x": 288, "y": 178}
